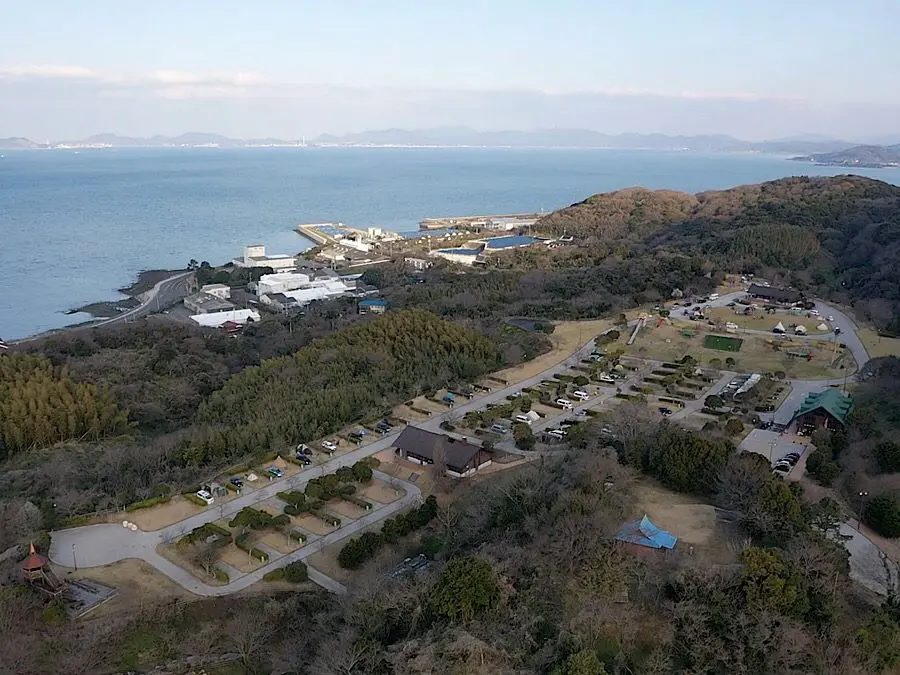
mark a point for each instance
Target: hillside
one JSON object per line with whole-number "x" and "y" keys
{"x": 839, "y": 237}
{"x": 864, "y": 156}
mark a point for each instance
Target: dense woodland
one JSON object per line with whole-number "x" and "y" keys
{"x": 525, "y": 576}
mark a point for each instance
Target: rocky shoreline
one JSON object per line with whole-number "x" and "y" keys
{"x": 107, "y": 309}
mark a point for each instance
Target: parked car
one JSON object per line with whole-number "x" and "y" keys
{"x": 731, "y": 304}
{"x": 358, "y": 435}
{"x": 330, "y": 445}
{"x": 304, "y": 460}
{"x": 583, "y": 395}
{"x": 606, "y": 377}
{"x": 792, "y": 458}
{"x": 564, "y": 402}
{"x": 581, "y": 413}
{"x": 782, "y": 467}
{"x": 304, "y": 449}
{"x": 665, "y": 411}
{"x": 275, "y": 472}
{"x": 499, "y": 429}
{"x": 237, "y": 482}
{"x": 205, "y": 496}
{"x": 557, "y": 433}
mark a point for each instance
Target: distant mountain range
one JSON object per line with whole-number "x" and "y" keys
{"x": 862, "y": 156}
{"x": 808, "y": 145}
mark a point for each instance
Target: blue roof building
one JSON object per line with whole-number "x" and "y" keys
{"x": 512, "y": 241}
{"x": 644, "y": 533}
{"x": 374, "y": 305}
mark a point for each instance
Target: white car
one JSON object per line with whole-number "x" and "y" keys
{"x": 583, "y": 395}
{"x": 329, "y": 445}
{"x": 831, "y": 319}
{"x": 524, "y": 419}
{"x": 564, "y": 402}
{"x": 206, "y": 497}
{"x": 605, "y": 377}
{"x": 557, "y": 433}
{"x": 814, "y": 312}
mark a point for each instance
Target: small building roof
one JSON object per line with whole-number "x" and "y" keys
{"x": 773, "y": 293}
{"x": 34, "y": 561}
{"x": 209, "y": 303}
{"x": 456, "y": 453}
{"x": 644, "y": 533}
{"x": 373, "y": 302}
{"x": 831, "y": 401}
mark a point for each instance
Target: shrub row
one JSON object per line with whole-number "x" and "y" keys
{"x": 147, "y": 503}
{"x": 208, "y": 530}
{"x": 359, "y": 550}
{"x": 243, "y": 542}
{"x": 361, "y": 503}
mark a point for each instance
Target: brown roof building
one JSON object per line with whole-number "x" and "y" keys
{"x": 459, "y": 457}
{"x": 773, "y": 294}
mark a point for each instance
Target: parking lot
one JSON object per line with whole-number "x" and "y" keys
{"x": 771, "y": 445}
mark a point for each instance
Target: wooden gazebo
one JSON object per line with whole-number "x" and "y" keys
{"x": 37, "y": 573}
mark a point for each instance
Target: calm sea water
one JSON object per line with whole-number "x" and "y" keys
{"x": 77, "y": 226}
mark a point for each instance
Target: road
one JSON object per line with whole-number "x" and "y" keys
{"x": 163, "y": 294}
{"x": 97, "y": 545}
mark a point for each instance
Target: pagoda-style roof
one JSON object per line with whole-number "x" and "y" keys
{"x": 832, "y": 401}
{"x": 34, "y": 561}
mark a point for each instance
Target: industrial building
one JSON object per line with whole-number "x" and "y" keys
{"x": 255, "y": 256}
{"x": 281, "y": 282}
{"x": 222, "y": 291}
{"x": 508, "y": 242}
{"x": 206, "y": 303}
{"x": 219, "y": 319}
{"x": 278, "y": 301}
{"x": 501, "y": 224}
{"x": 461, "y": 256}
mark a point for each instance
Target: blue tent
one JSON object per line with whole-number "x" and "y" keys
{"x": 644, "y": 533}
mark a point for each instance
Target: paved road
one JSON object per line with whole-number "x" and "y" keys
{"x": 164, "y": 294}
{"x": 97, "y": 545}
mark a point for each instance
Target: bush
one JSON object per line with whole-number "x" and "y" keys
{"x": 887, "y": 455}
{"x": 191, "y": 497}
{"x": 821, "y": 466}
{"x": 296, "y": 572}
{"x": 243, "y": 542}
{"x": 147, "y": 503}
{"x": 292, "y": 510}
{"x": 296, "y": 535}
{"x": 362, "y": 471}
{"x": 523, "y": 437}
{"x": 294, "y": 497}
{"x": 220, "y": 575}
{"x": 734, "y": 426}
{"x": 274, "y": 575}
{"x": 882, "y": 514}
{"x": 466, "y": 588}
{"x": 359, "y": 550}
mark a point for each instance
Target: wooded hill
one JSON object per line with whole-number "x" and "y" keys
{"x": 838, "y": 237}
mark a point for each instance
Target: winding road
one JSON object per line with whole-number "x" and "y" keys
{"x": 98, "y": 545}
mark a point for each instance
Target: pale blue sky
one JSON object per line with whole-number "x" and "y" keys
{"x": 816, "y": 53}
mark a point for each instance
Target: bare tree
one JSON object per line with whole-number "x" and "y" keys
{"x": 248, "y": 631}
{"x": 205, "y": 556}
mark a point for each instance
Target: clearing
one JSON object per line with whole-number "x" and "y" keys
{"x": 346, "y": 510}
{"x": 688, "y": 519}
{"x": 567, "y": 338}
{"x": 312, "y": 524}
{"x": 757, "y": 354}
{"x": 763, "y": 321}
{"x": 239, "y": 559}
{"x": 381, "y": 492}
{"x": 279, "y": 542}
{"x": 162, "y": 515}
{"x": 877, "y": 345}
{"x": 137, "y": 582}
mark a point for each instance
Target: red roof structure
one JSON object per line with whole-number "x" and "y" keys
{"x": 37, "y": 571}
{"x": 34, "y": 562}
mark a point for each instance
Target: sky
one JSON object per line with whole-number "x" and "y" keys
{"x": 752, "y": 68}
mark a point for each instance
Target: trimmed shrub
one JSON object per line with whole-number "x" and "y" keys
{"x": 243, "y": 542}
{"x": 294, "y": 497}
{"x": 147, "y": 503}
{"x": 362, "y": 471}
{"x": 274, "y": 575}
{"x": 882, "y": 514}
{"x": 191, "y": 497}
{"x": 297, "y": 535}
{"x": 296, "y": 572}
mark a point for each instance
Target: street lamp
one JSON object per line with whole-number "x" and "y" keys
{"x": 862, "y": 496}
{"x": 74, "y": 561}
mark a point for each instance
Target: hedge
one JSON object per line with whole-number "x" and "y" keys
{"x": 292, "y": 510}
{"x": 191, "y": 497}
{"x": 293, "y": 497}
{"x": 361, "y": 503}
{"x": 359, "y": 550}
{"x": 147, "y": 503}
{"x": 231, "y": 486}
{"x": 327, "y": 518}
{"x": 296, "y": 535}
{"x": 243, "y": 542}
{"x": 207, "y": 530}
{"x": 274, "y": 575}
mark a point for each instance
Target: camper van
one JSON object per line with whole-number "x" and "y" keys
{"x": 581, "y": 395}
{"x": 713, "y": 296}
{"x": 564, "y": 402}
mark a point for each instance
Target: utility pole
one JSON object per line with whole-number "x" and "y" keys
{"x": 74, "y": 560}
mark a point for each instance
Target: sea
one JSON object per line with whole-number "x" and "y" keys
{"x": 77, "y": 225}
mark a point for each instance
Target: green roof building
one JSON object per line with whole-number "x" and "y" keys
{"x": 827, "y": 409}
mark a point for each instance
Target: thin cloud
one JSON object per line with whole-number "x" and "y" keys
{"x": 50, "y": 72}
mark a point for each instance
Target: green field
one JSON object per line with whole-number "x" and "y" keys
{"x": 722, "y": 343}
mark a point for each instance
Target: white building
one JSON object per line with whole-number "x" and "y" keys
{"x": 331, "y": 288}
{"x": 222, "y": 291}
{"x": 357, "y": 245}
{"x": 255, "y": 256}
{"x": 281, "y": 282}
{"x": 206, "y": 303}
{"x": 508, "y": 224}
{"x": 238, "y": 316}
{"x": 418, "y": 263}
{"x": 462, "y": 256}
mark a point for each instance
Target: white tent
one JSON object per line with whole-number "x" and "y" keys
{"x": 822, "y": 327}
{"x": 800, "y": 330}
{"x": 779, "y": 328}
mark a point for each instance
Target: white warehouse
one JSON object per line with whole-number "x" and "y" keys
{"x": 255, "y": 256}
{"x": 217, "y": 319}
{"x": 281, "y": 282}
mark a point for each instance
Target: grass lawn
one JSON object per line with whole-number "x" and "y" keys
{"x": 763, "y": 321}
{"x": 877, "y": 345}
{"x": 757, "y": 354}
